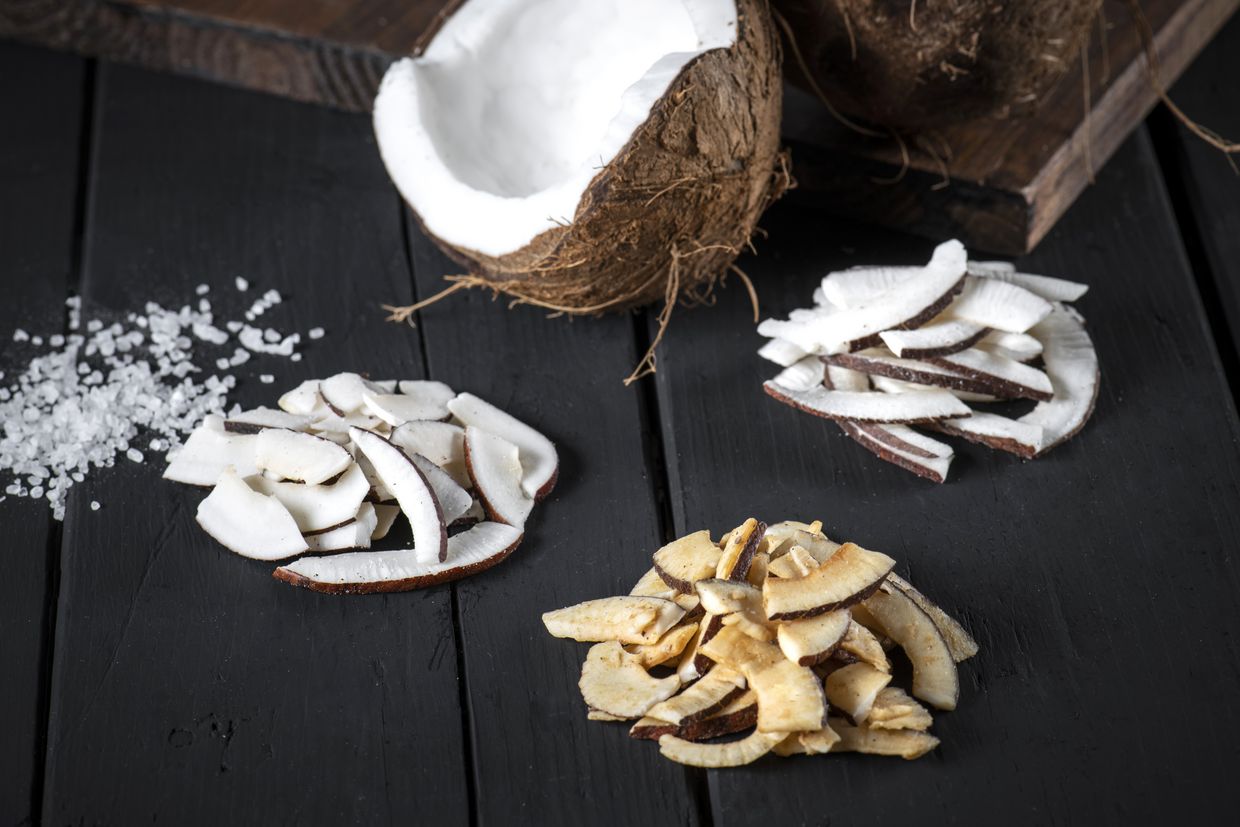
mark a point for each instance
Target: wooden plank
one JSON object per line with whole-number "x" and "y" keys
{"x": 190, "y": 687}
{"x": 1101, "y": 580}
{"x": 39, "y": 139}
{"x": 1008, "y": 181}
{"x": 537, "y": 760}
{"x": 1209, "y": 183}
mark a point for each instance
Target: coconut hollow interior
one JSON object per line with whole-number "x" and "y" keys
{"x": 495, "y": 132}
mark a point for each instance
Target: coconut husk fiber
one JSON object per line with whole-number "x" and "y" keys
{"x": 667, "y": 218}
{"x": 913, "y": 65}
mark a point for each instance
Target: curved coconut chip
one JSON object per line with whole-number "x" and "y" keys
{"x": 858, "y": 285}
{"x": 999, "y": 305}
{"x": 671, "y": 645}
{"x": 683, "y": 562}
{"x": 904, "y": 743}
{"x": 847, "y": 577}
{"x": 300, "y": 457}
{"x": 1050, "y": 288}
{"x": 812, "y": 640}
{"x": 209, "y": 451}
{"x": 865, "y": 406}
{"x": 802, "y": 376}
{"x": 927, "y": 373}
{"x": 712, "y": 693}
{"x": 785, "y": 354}
{"x": 251, "y": 422}
{"x": 494, "y": 465}
{"x": 316, "y": 507}
{"x": 627, "y": 619}
{"x": 999, "y": 432}
{"x": 790, "y": 697}
{"x": 937, "y": 339}
{"x": 1072, "y": 365}
{"x": 893, "y": 448}
{"x": 249, "y": 523}
{"x": 959, "y": 641}
{"x": 412, "y": 491}
{"x": 356, "y": 533}
{"x": 469, "y": 552}
{"x": 738, "y": 714}
{"x": 1008, "y": 378}
{"x": 854, "y": 688}
{"x": 1020, "y": 347}
{"x": 715, "y": 756}
{"x": 935, "y": 679}
{"x": 538, "y": 457}
{"x": 615, "y": 682}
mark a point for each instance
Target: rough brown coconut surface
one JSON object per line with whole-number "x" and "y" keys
{"x": 677, "y": 205}
{"x": 916, "y": 64}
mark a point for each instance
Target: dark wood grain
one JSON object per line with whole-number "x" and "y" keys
{"x": 537, "y": 760}
{"x": 1211, "y": 185}
{"x": 39, "y": 136}
{"x": 189, "y": 686}
{"x": 1101, "y": 580}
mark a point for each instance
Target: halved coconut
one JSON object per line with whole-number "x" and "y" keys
{"x": 683, "y": 562}
{"x": 905, "y": 743}
{"x": 1005, "y": 377}
{"x": 615, "y": 682}
{"x": 539, "y": 461}
{"x": 300, "y": 457}
{"x": 937, "y": 339}
{"x": 785, "y": 354}
{"x": 316, "y": 507}
{"x": 999, "y": 305}
{"x": 1020, "y": 347}
{"x": 790, "y": 697}
{"x": 627, "y": 619}
{"x": 412, "y": 491}
{"x": 715, "y": 756}
{"x": 935, "y": 679}
{"x": 639, "y": 138}
{"x": 847, "y": 577}
{"x": 867, "y": 406}
{"x": 853, "y": 689}
{"x": 251, "y": 422}
{"x": 1072, "y": 365}
{"x": 247, "y": 522}
{"x": 494, "y": 465}
{"x": 1048, "y": 287}
{"x": 356, "y": 533}
{"x": 208, "y": 451}
{"x": 364, "y": 572}
{"x": 811, "y": 640}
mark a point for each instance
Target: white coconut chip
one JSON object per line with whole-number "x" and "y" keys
{"x": 886, "y": 384}
{"x": 356, "y": 533}
{"x": 802, "y": 376}
{"x": 250, "y": 422}
{"x": 870, "y": 406}
{"x": 907, "y": 449}
{"x": 1072, "y": 365}
{"x": 343, "y": 392}
{"x": 1020, "y": 347}
{"x": 998, "y": 304}
{"x": 398, "y": 408}
{"x": 428, "y": 390}
{"x": 412, "y": 491}
{"x": 937, "y": 339}
{"x": 1015, "y": 378}
{"x": 208, "y": 451}
{"x": 316, "y": 507}
{"x": 1050, "y": 288}
{"x": 999, "y": 432}
{"x": 304, "y": 400}
{"x": 247, "y": 522}
{"x": 858, "y": 285}
{"x": 539, "y": 460}
{"x": 453, "y": 499}
{"x": 843, "y": 379}
{"x": 300, "y": 457}
{"x": 495, "y": 467}
{"x": 443, "y": 443}
{"x": 783, "y": 353}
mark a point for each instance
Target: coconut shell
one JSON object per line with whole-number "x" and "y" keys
{"x": 679, "y": 202}
{"x": 917, "y": 65}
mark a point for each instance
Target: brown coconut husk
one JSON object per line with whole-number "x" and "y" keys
{"x": 918, "y": 64}
{"x": 667, "y": 218}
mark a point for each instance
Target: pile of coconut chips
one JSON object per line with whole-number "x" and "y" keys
{"x": 780, "y": 633}
{"x": 344, "y": 457}
{"x": 885, "y": 348}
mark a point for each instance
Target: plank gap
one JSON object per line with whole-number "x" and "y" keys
{"x": 652, "y": 430}
{"x": 87, "y": 146}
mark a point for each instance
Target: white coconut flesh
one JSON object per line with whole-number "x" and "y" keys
{"x": 539, "y": 461}
{"x": 247, "y": 522}
{"x": 471, "y": 550}
{"x": 413, "y": 492}
{"x": 303, "y": 399}
{"x": 495, "y": 466}
{"x": 251, "y": 422}
{"x": 208, "y": 451}
{"x": 302, "y": 457}
{"x": 454, "y": 500}
{"x": 385, "y": 518}
{"x": 316, "y": 507}
{"x": 344, "y": 392}
{"x": 356, "y": 533}
{"x": 973, "y": 344}
{"x": 496, "y": 131}
{"x": 397, "y": 408}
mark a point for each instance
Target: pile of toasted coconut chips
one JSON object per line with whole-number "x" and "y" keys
{"x": 769, "y": 640}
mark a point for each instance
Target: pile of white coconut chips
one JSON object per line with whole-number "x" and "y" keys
{"x": 344, "y": 457}
{"x": 885, "y": 348}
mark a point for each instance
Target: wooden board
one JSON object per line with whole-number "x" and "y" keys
{"x": 1098, "y": 580}
{"x": 1006, "y": 184}
{"x": 39, "y": 134}
{"x": 190, "y": 687}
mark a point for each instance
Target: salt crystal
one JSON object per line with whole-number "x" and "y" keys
{"x": 94, "y": 505}
{"x": 316, "y": 333}
{"x": 20, "y": 335}
{"x": 55, "y": 341}
{"x": 296, "y": 357}
{"x": 270, "y": 335}
{"x": 37, "y": 341}
{"x": 134, "y": 455}
{"x": 202, "y": 289}
{"x": 242, "y": 284}
{"x": 266, "y": 378}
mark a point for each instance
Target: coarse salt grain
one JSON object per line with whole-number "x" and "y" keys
{"x": 94, "y": 505}
{"x": 241, "y": 283}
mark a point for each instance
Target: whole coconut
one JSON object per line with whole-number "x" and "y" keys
{"x": 914, "y": 64}
{"x": 667, "y": 214}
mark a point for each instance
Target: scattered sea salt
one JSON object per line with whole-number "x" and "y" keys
{"x": 202, "y": 290}
{"x": 20, "y": 335}
{"x": 266, "y": 378}
{"x": 94, "y": 505}
{"x": 316, "y": 333}
{"x": 242, "y": 284}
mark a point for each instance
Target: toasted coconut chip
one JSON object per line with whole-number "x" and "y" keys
{"x": 959, "y": 641}
{"x": 785, "y": 354}
{"x": 249, "y": 523}
{"x": 813, "y": 639}
{"x": 682, "y": 562}
{"x": 935, "y": 679}
{"x": 1072, "y": 365}
{"x": 687, "y": 668}
{"x": 859, "y": 285}
{"x": 385, "y": 518}
{"x": 615, "y": 682}
{"x": 739, "y": 714}
{"x": 863, "y": 645}
{"x": 701, "y": 700}
{"x": 798, "y": 562}
{"x": 495, "y": 467}
{"x": 865, "y": 406}
{"x": 651, "y": 585}
{"x": 412, "y": 490}
{"x": 894, "y": 709}
{"x": 1007, "y": 377}
{"x": 738, "y": 553}
{"x": 1050, "y": 288}
{"x": 758, "y": 568}
{"x": 853, "y": 689}
{"x": 1020, "y": 347}
{"x": 710, "y": 626}
{"x": 926, "y": 374}
{"x": 779, "y": 536}
{"x": 470, "y": 552}
{"x": 688, "y": 602}
{"x": 598, "y": 715}
{"x": 626, "y": 619}
{"x": 303, "y": 400}
{"x": 398, "y": 408}
{"x": 667, "y": 647}
{"x": 297, "y": 456}
{"x": 723, "y": 597}
{"x": 440, "y": 442}
{"x": 251, "y": 422}
{"x": 839, "y": 378}
{"x": 316, "y": 507}
{"x": 538, "y": 456}
{"x": 750, "y": 625}
{"x": 888, "y": 385}
{"x": 883, "y": 445}
{"x": 802, "y": 376}
{"x": 847, "y": 577}
{"x": 997, "y": 304}
{"x": 818, "y": 742}
{"x": 208, "y": 451}
{"x": 997, "y": 432}
{"x": 790, "y": 697}
{"x": 714, "y": 756}
{"x": 354, "y": 534}
{"x": 936, "y": 339}
{"x": 905, "y": 743}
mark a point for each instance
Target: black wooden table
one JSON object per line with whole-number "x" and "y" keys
{"x": 146, "y": 675}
